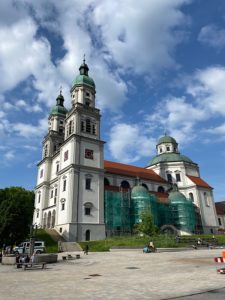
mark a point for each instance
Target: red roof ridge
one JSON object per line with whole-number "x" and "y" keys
{"x": 199, "y": 181}
{"x": 133, "y": 171}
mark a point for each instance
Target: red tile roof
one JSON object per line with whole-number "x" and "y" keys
{"x": 162, "y": 197}
{"x": 132, "y": 171}
{"x": 220, "y": 208}
{"x": 199, "y": 182}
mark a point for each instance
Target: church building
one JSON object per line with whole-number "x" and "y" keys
{"x": 77, "y": 191}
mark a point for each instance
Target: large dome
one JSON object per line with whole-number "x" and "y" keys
{"x": 169, "y": 157}
{"x": 166, "y": 139}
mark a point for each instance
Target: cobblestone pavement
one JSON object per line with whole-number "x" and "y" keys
{"x": 117, "y": 275}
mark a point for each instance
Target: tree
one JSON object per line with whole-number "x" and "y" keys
{"x": 146, "y": 225}
{"x": 16, "y": 213}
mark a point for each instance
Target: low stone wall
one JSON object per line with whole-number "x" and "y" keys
{"x": 8, "y": 260}
{"x": 45, "y": 257}
{"x": 48, "y": 258}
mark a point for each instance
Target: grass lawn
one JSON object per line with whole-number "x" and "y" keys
{"x": 160, "y": 241}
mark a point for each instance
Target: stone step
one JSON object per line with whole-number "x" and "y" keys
{"x": 55, "y": 235}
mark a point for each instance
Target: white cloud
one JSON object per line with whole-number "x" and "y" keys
{"x": 139, "y": 38}
{"x": 29, "y": 130}
{"x": 10, "y": 155}
{"x": 178, "y": 117}
{"x": 212, "y": 36}
{"x": 128, "y": 143}
{"x": 208, "y": 88}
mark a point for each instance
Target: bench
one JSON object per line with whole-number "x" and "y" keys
{"x": 70, "y": 257}
{"x": 194, "y": 242}
{"x": 31, "y": 265}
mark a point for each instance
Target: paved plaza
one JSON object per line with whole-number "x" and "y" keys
{"x": 119, "y": 275}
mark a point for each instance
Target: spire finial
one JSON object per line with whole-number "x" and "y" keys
{"x": 60, "y": 90}
{"x": 84, "y": 59}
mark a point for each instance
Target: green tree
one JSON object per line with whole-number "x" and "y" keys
{"x": 16, "y": 213}
{"x": 146, "y": 225}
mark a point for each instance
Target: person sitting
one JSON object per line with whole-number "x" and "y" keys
{"x": 152, "y": 247}
{"x": 146, "y": 249}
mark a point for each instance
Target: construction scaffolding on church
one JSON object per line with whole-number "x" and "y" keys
{"x": 123, "y": 209}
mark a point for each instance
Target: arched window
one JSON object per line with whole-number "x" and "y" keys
{"x": 161, "y": 189}
{"x": 88, "y": 125}
{"x": 46, "y": 150}
{"x": 49, "y": 220}
{"x": 82, "y": 125}
{"x": 70, "y": 127}
{"x": 125, "y": 184}
{"x": 106, "y": 182}
{"x": 45, "y": 220}
{"x": 206, "y": 199}
{"x": 178, "y": 177}
{"x": 191, "y": 196}
{"x": 53, "y": 219}
{"x": 93, "y": 129}
{"x": 88, "y": 184}
{"x": 169, "y": 177}
{"x": 87, "y": 235}
{"x": 145, "y": 185}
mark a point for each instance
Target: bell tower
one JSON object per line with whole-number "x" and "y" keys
{"x": 56, "y": 124}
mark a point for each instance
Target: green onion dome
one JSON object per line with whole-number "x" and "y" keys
{"x": 59, "y": 108}
{"x": 83, "y": 78}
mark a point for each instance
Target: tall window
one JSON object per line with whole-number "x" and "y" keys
{"x": 64, "y": 185}
{"x": 191, "y": 196}
{"x": 167, "y": 148}
{"x": 46, "y": 150}
{"x": 206, "y": 199}
{"x": 93, "y": 129}
{"x": 82, "y": 125}
{"x": 169, "y": 177}
{"x": 56, "y": 192}
{"x": 88, "y": 183}
{"x": 62, "y": 206}
{"x": 70, "y": 127}
{"x": 52, "y": 193}
{"x": 219, "y": 220}
{"x": 88, "y": 125}
{"x": 39, "y": 197}
{"x": 66, "y": 155}
{"x": 57, "y": 167}
{"x": 41, "y": 173}
{"x": 87, "y": 211}
{"x": 178, "y": 179}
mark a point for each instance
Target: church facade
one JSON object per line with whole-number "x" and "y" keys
{"x": 73, "y": 177}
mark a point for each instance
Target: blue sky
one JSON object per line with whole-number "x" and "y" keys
{"x": 158, "y": 66}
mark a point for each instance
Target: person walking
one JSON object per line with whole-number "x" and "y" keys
{"x": 86, "y": 248}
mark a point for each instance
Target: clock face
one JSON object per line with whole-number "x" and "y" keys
{"x": 89, "y": 154}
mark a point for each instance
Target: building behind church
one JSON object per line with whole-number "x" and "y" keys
{"x": 84, "y": 197}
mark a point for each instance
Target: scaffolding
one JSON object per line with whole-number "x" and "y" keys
{"x": 117, "y": 212}
{"x": 123, "y": 209}
{"x": 183, "y": 212}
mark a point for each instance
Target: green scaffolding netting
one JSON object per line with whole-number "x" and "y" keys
{"x": 123, "y": 209}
